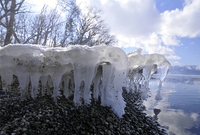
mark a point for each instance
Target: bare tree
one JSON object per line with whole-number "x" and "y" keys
{"x": 2, "y": 35}
{"x": 84, "y": 28}
{"x": 52, "y": 23}
{"x": 8, "y": 11}
{"x": 92, "y": 30}
{"x": 48, "y": 27}
{"x": 20, "y": 27}
{"x": 43, "y": 27}
{"x": 72, "y": 13}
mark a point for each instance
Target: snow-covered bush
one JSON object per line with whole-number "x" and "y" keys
{"x": 77, "y": 67}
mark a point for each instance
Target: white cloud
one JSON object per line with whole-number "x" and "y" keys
{"x": 150, "y": 44}
{"x": 194, "y": 116}
{"x": 131, "y": 18}
{"x": 182, "y": 22}
{"x": 128, "y": 17}
{"x": 153, "y": 44}
{"x": 139, "y": 24}
{"x": 170, "y": 40}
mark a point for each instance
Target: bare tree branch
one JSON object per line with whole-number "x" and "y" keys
{"x": 8, "y": 11}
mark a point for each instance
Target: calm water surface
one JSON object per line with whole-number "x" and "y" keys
{"x": 180, "y": 104}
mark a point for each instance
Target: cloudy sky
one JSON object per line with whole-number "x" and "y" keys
{"x": 168, "y": 27}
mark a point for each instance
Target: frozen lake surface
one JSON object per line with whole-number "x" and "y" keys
{"x": 180, "y": 104}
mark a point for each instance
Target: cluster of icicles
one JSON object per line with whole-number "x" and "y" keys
{"x": 78, "y": 67}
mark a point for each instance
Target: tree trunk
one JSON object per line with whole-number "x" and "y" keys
{"x": 10, "y": 23}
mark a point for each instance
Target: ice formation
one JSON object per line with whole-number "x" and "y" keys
{"x": 142, "y": 67}
{"x": 74, "y": 69}
{"x": 114, "y": 64}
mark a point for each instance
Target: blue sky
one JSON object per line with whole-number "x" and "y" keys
{"x": 167, "y": 27}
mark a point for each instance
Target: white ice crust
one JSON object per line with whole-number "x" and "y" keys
{"x": 107, "y": 68}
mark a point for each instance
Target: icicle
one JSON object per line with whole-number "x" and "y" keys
{"x": 97, "y": 83}
{"x": 84, "y": 60}
{"x": 66, "y": 91}
{"x": 105, "y": 80}
{"x": 43, "y": 79}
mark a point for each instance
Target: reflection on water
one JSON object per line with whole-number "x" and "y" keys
{"x": 177, "y": 105}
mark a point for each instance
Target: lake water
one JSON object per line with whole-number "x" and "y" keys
{"x": 180, "y": 104}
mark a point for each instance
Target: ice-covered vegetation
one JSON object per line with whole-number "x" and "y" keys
{"x": 79, "y": 67}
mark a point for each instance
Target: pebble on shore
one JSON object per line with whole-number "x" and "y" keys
{"x": 42, "y": 116}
